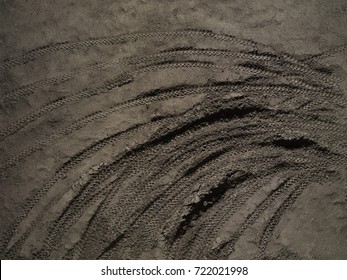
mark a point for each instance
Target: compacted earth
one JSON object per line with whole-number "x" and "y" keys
{"x": 178, "y": 130}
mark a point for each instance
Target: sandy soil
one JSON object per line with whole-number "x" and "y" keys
{"x": 173, "y": 130}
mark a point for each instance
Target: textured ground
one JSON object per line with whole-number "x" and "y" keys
{"x": 185, "y": 130}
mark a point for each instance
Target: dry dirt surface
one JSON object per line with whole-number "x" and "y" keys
{"x": 173, "y": 129}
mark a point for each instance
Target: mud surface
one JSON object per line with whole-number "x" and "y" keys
{"x": 185, "y": 130}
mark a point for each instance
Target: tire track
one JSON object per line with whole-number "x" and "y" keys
{"x": 185, "y": 174}
{"x": 107, "y": 171}
{"x": 64, "y": 46}
{"x": 266, "y": 60}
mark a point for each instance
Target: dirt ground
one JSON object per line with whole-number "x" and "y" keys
{"x": 173, "y": 129}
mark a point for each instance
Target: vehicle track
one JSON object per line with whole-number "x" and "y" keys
{"x": 171, "y": 192}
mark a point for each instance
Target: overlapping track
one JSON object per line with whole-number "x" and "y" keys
{"x": 174, "y": 150}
